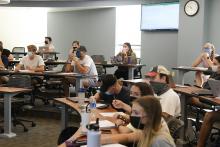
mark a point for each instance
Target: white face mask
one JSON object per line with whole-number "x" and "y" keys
{"x": 29, "y": 54}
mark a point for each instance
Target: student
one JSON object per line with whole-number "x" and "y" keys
{"x": 152, "y": 130}
{"x": 126, "y": 56}
{"x": 208, "y": 121}
{"x": 31, "y": 61}
{"x": 3, "y": 62}
{"x": 137, "y": 90}
{"x": 48, "y": 44}
{"x": 160, "y": 81}
{"x": 6, "y": 52}
{"x": 112, "y": 89}
{"x": 83, "y": 64}
{"x": 206, "y": 59}
{"x": 75, "y": 46}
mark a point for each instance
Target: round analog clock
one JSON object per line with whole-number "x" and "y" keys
{"x": 191, "y": 7}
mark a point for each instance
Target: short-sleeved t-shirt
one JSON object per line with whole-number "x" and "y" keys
{"x": 123, "y": 95}
{"x": 88, "y": 62}
{"x": 37, "y": 61}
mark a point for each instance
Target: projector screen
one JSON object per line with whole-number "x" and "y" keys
{"x": 164, "y": 16}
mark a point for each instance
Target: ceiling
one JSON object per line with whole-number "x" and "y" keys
{"x": 69, "y": 3}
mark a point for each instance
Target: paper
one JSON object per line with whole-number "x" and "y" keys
{"x": 111, "y": 114}
{"x": 25, "y": 71}
{"x": 181, "y": 86}
{"x": 105, "y": 124}
{"x": 99, "y": 105}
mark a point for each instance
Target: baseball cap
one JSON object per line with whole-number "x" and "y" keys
{"x": 107, "y": 81}
{"x": 157, "y": 69}
{"x": 82, "y": 48}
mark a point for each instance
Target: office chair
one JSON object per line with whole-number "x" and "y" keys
{"x": 18, "y": 52}
{"x": 99, "y": 59}
{"x": 20, "y": 101}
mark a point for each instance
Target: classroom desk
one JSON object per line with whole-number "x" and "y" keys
{"x": 9, "y": 92}
{"x": 47, "y": 62}
{"x": 184, "y": 69}
{"x": 53, "y": 74}
{"x": 131, "y": 67}
{"x": 186, "y": 95}
{"x": 67, "y": 103}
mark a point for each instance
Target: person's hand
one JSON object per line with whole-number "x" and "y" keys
{"x": 71, "y": 56}
{"x": 30, "y": 68}
{"x": 118, "y": 104}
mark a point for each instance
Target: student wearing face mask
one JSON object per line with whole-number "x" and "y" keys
{"x": 48, "y": 44}
{"x": 72, "y": 51}
{"x": 83, "y": 64}
{"x": 151, "y": 129}
{"x": 137, "y": 90}
{"x": 31, "y": 61}
{"x": 160, "y": 81}
{"x": 206, "y": 60}
{"x": 111, "y": 89}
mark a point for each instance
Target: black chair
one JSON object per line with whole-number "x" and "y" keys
{"x": 20, "y": 101}
{"x": 18, "y": 52}
{"x": 99, "y": 59}
{"x": 137, "y": 71}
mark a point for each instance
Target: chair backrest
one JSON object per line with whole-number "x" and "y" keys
{"x": 138, "y": 60}
{"x": 98, "y": 58}
{"x": 19, "y": 81}
{"x": 18, "y": 50}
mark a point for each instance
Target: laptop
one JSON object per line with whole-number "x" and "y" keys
{"x": 215, "y": 87}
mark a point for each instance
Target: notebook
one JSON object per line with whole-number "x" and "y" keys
{"x": 215, "y": 87}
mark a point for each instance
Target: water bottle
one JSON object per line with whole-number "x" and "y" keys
{"x": 92, "y": 106}
{"x": 81, "y": 96}
{"x": 93, "y": 135}
{"x": 85, "y": 119}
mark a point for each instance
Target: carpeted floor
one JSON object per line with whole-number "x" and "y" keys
{"x": 44, "y": 134}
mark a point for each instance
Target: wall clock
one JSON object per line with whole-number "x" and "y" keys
{"x": 191, "y": 7}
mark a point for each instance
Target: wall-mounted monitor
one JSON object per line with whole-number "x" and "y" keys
{"x": 163, "y": 16}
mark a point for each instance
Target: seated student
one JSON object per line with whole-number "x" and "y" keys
{"x": 206, "y": 59}
{"x": 208, "y": 121}
{"x": 31, "y": 61}
{"x": 3, "y": 62}
{"x": 48, "y": 44}
{"x": 83, "y": 64}
{"x": 6, "y": 53}
{"x": 151, "y": 129}
{"x": 125, "y": 55}
{"x": 111, "y": 89}
{"x": 160, "y": 81}
{"x": 137, "y": 90}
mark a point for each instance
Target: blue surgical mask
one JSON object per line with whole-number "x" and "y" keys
{"x": 78, "y": 54}
{"x": 29, "y": 53}
{"x": 208, "y": 50}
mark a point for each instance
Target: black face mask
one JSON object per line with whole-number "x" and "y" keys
{"x": 159, "y": 88}
{"x": 132, "y": 98}
{"x": 74, "y": 48}
{"x": 136, "y": 122}
{"x": 46, "y": 42}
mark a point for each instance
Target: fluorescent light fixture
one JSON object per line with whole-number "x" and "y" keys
{"x": 4, "y": 1}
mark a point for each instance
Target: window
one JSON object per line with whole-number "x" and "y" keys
{"x": 128, "y": 28}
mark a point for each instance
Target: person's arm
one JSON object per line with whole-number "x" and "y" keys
{"x": 82, "y": 69}
{"x": 18, "y": 67}
{"x": 121, "y": 105}
{"x": 120, "y": 138}
{"x": 197, "y": 61}
{"x": 1, "y": 63}
{"x": 39, "y": 68}
{"x": 97, "y": 96}
{"x": 207, "y": 59}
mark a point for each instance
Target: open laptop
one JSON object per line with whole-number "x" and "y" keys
{"x": 215, "y": 87}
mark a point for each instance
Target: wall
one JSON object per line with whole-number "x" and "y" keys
{"x": 93, "y": 28}
{"x": 22, "y": 26}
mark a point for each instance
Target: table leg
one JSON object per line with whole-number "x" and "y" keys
{"x": 64, "y": 117}
{"x": 131, "y": 73}
{"x": 181, "y": 77}
{"x": 7, "y": 117}
{"x": 183, "y": 99}
{"x": 79, "y": 84}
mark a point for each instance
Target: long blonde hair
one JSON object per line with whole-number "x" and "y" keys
{"x": 153, "y": 110}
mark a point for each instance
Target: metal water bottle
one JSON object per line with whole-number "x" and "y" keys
{"x": 93, "y": 135}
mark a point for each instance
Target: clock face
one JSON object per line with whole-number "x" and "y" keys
{"x": 191, "y": 8}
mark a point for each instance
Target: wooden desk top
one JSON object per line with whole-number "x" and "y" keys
{"x": 13, "y": 90}
{"x": 189, "y": 91}
{"x": 189, "y": 68}
{"x": 120, "y": 64}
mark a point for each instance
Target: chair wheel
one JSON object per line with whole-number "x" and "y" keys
{"x": 33, "y": 125}
{"x": 25, "y": 129}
